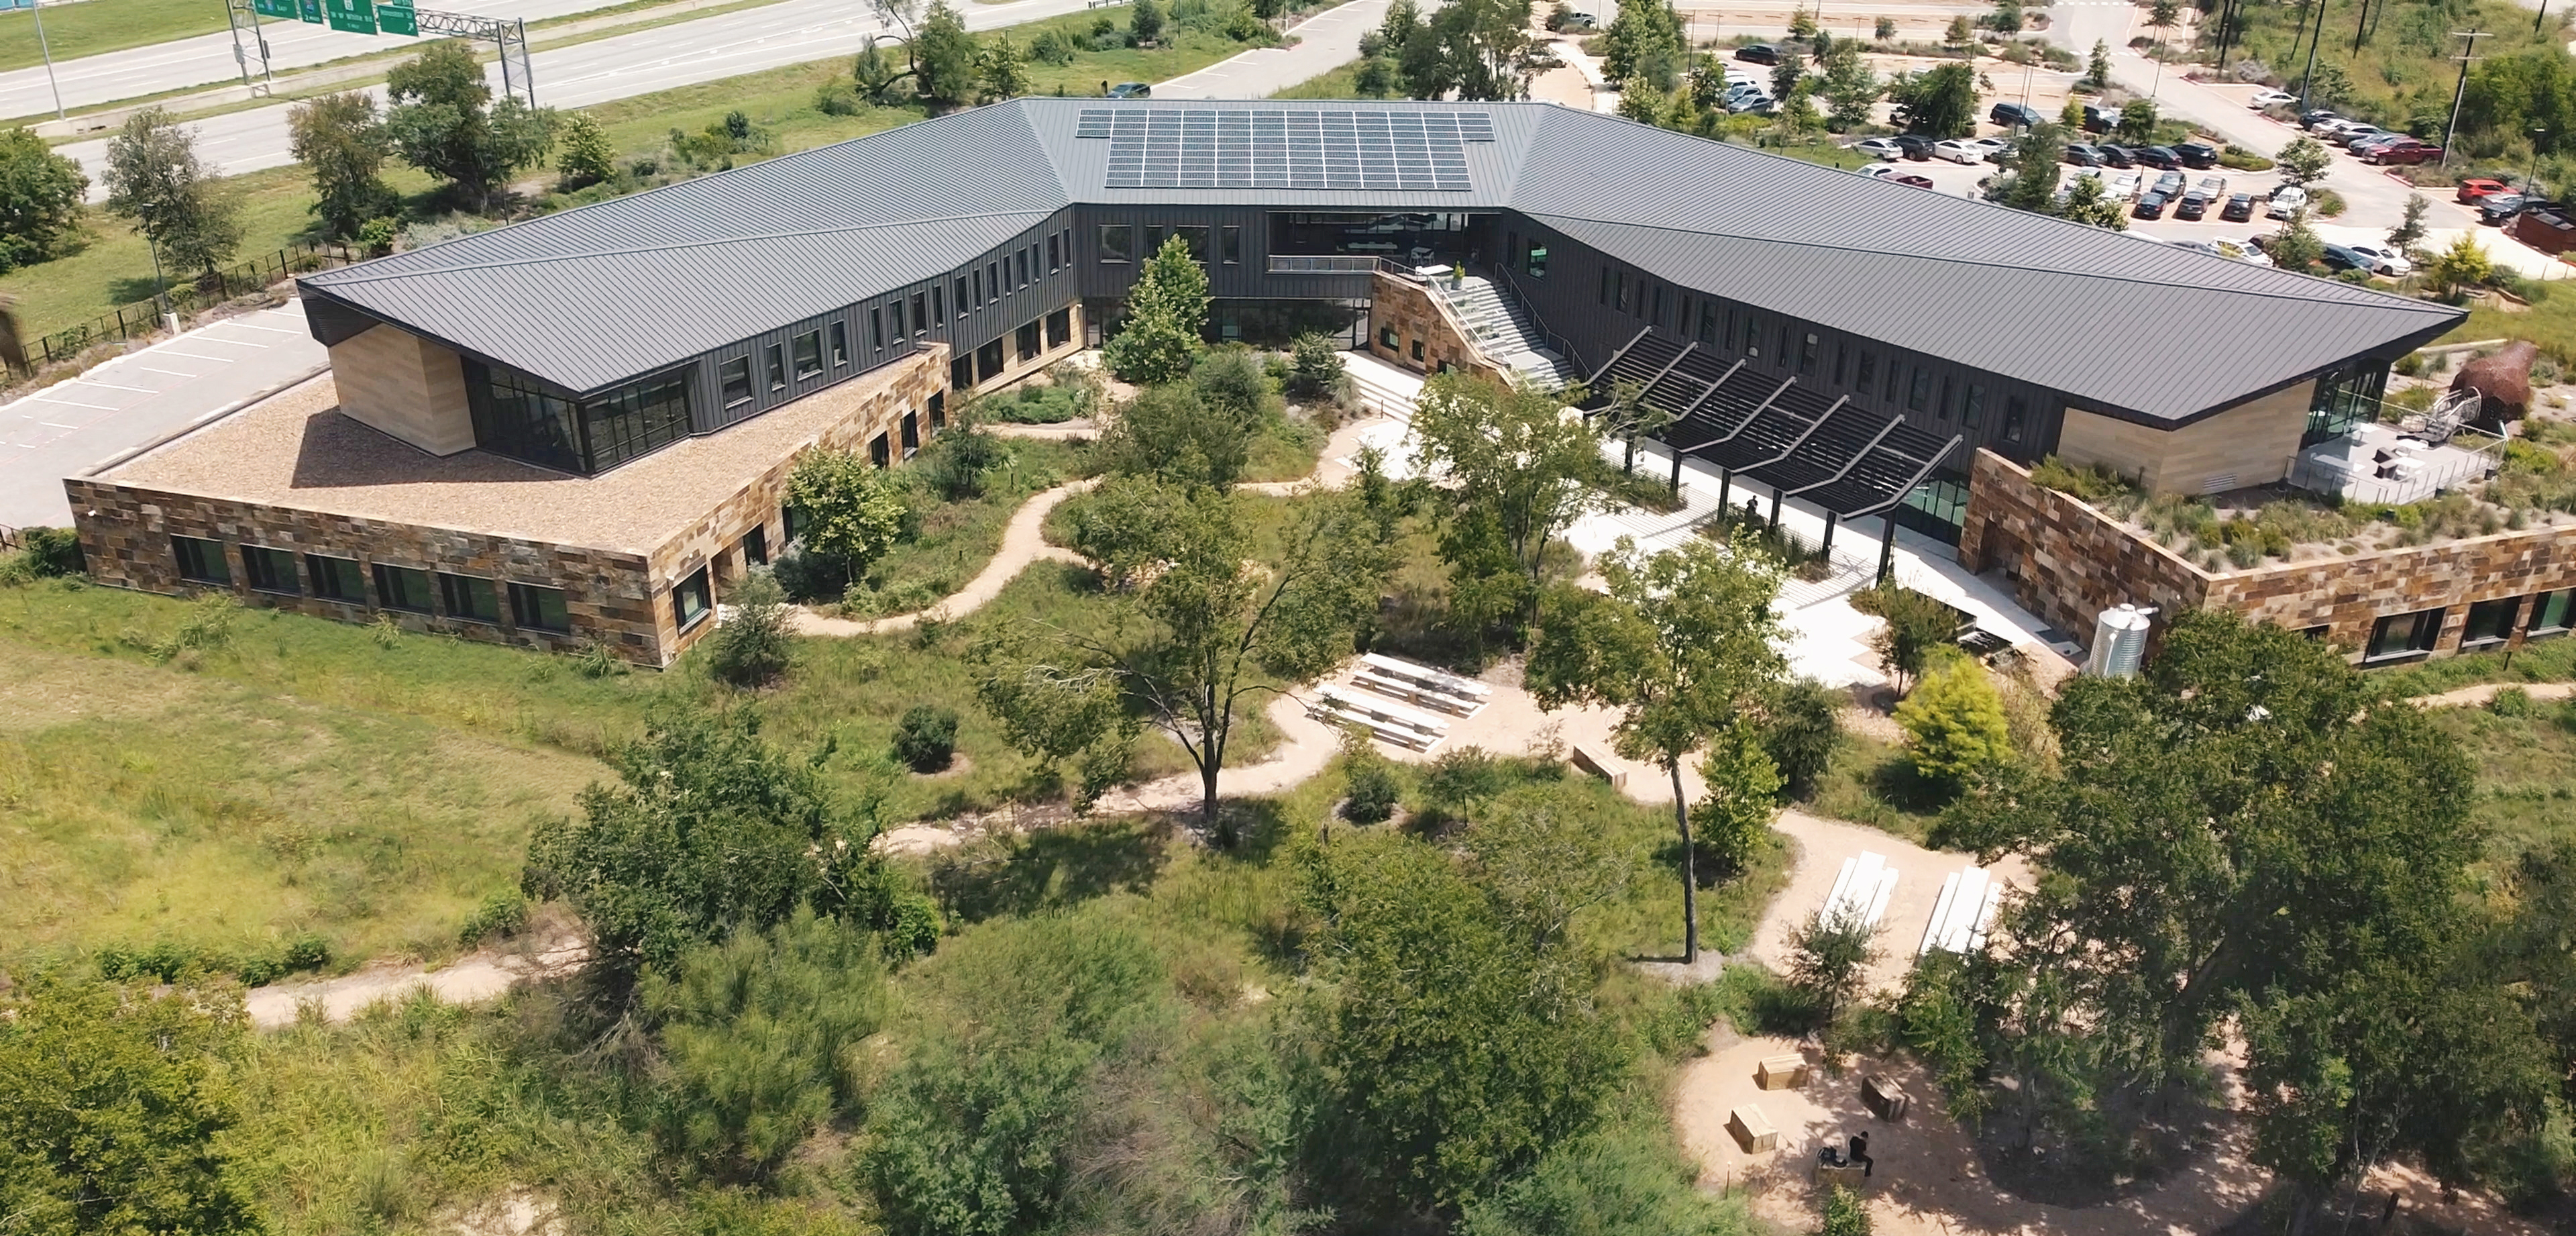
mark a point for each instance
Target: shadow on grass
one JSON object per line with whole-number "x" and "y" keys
{"x": 1019, "y": 874}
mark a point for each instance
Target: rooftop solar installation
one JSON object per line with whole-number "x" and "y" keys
{"x": 1164, "y": 148}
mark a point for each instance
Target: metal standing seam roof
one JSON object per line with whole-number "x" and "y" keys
{"x": 590, "y": 297}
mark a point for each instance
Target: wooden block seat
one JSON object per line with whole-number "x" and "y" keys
{"x": 1780, "y": 1072}
{"x": 1848, "y": 1175}
{"x": 1752, "y": 1130}
{"x": 1885, "y": 1098}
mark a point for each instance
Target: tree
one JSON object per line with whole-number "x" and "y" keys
{"x": 751, "y": 647}
{"x": 2409, "y": 231}
{"x": 1472, "y": 49}
{"x": 1517, "y": 467}
{"x": 1743, "y": 795}
{"x": 155, "y": 179}
{"x": 1644, "y": 46}
{"x": 2138, "y": 120}
{"x": 2006, "y": 20}
{"x": 874, "y": 75}
{"x": 1850, "y": 87}
{"x": 40, "y": 199}
{"x": 2296, "y": 246}
{"x": 1916, "y": 628}
{"x": 2161, "y": 17}
{"x": 339, "y": 140}
{"x": 2088, "y": 202}
{"x": 1884, "y": 29}
{"x": 1959, "y": 36}
{"x": 1167, "y": 314}
{"x": 1803, "y": 730}
{"x": 585, "y": 157}
{"x": 853, "y": 510}
{"x": 1631, "y": 417}
{"x": 1788, "y": 78}
{"x": 1055, "y": 710}
{"x": 1171, "y": 434}
{"x": 1216, "y": 628}
{"x": 1954, "y": 724}
{"x": 2097, "y": 66}
{"x": 1938, "y": 102}
{"x": 2302, "y": 161}
{"x": 2461, "y": 267}
{"x": 944, "y": 61}
{"x": 2033, "y": 183}
{"x": 1829, "y": 960}
{"x": 442, "y": 120}
{"x": 1145, "y": 23}
{"x": 115, "y": 1109}
{"x": 1315, "y": 368}
{"x": 1005, "y": 75}
{"x": 1680, "y": 645}
{"x": 710, "y": 829}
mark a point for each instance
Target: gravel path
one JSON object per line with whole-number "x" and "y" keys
{"x": 471, "y": 980}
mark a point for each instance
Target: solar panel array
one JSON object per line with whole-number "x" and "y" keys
{"x": 1161, "y": 148}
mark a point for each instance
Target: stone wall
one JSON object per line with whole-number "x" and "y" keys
{"x": 2068, "y": 562}
{"x": 1409, "y": 309}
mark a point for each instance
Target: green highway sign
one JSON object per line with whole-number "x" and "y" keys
{"x": 309, "y": 10}
{"x": 351, "y": 16}
{"x": 283, "y": 10}
{"x": 397, "y": 18}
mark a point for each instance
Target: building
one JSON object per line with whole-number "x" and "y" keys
{"x": 1840, "y": 341}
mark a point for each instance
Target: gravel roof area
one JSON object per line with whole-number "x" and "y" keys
{"x": 296, "y": 450}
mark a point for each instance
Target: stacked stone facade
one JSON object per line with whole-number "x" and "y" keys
{"x": 618, "y": 597}
{"x": 2068, "y": 562}
{"x": 1415, "y": 316}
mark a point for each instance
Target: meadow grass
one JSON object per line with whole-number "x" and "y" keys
{"x": 1872, "y": 782}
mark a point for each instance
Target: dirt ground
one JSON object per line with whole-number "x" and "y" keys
{"x": 471, "y": 980}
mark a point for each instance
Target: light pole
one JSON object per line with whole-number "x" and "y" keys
{"x": 37, "y": 7}
{"x": 2528, "y": 193}
{"x": 2462, "y": 92}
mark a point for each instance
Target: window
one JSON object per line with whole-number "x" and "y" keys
{"x": 879, "y": 453}
{"x": 1059, "y": 328}
{"x": 809, "y": 355}
{"x": 1026, "y": 339}
{"x": 1975, "y": 407}
{"x": 531, "y": 420}
{"x": 778, "y": 367}
{"x": 911, "y": 434}
{"x": 962, "y": 303}
{"x": 468, "y": 597}
{"x": 1708, "y": 323}
{"x": 269, "y": 570}
{"x": 2404, "y": 635}
{"x": 1417, "y": 349}
{"x": 1153, "y": 239}
{"x": 690, "y": 600}
{"x": 541, "y": 609}
{"x": 876, "y": 328}
{"x": 2550, "y": 612}
{"x": 1231, "y": 245}
{"x": 1025, "y": 263}
{"x": 1388, "y": 339}
{"x": 988, "y": 361}
{"x": 1055, "y": 253}
{"x": 1868, "y": 376}
{"x": 1753, "y": 335}
{"x": 1117, "y": 242}
{"x": 961, "y": 373}
{"x": 201, "y": 561}
{"x": 938, "y": 411}
{"x": 2015, "y": 409}
{"x": 1660, "y": 290}
{"x": 1920, "y": 392}
{"x": 336, "y": 579}
{"x": 524, "y": 418}
{"x": 755, "y": 546}
{"x": 1948, "y": 384}
{"x": 1807, "y": 355}
{"x": 938, "y": 307}
{"x": 894, "y": 309}
{"x": 992, "y": 283}
{"x": 2490, "y": 622}
{"x": 1842, "y": 362}
{"x": 1603, "y": 296}
{"x": 402, "y": 588}
{"x": 635, "y": 419}
{"x": 790, "y": 521}
{"x": 920, "y": 318}
{"x": 840, "y": 343}
{"x": 1537, "y": 261}
{"x": 1619, "y": 290}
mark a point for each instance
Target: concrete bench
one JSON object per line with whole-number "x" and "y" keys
{"x": 1752, "y": 1130}
{"x": 1401, "y": 736}
{"x": 1414, "y": 692}
{"x": 1392, "y": 713}
{"x": 1780, "y": 1072}
{"x": 1454, "y": 684}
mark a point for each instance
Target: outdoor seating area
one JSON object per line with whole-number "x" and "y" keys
{"x": 1861, "y": 891}
{"x": 2379, "y": 463}
{"x": 1964, "y": 912}
{"x": 1390, "y": 695}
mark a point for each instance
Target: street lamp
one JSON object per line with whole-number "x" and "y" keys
{"x": 2527, "y": 177}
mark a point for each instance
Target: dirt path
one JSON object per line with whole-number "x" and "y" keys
{"x": 471, "y": 980}
{"x": 1023, "y": 542}
{"x": 2477, "y": 696}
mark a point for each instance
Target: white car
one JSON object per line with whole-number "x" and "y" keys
{"x": 1879, "y": 147}
{"x": 1959, "y": 150}
{"x": 2272, "y": 98}
{"x": 2287, "y": 201}
{"x": 2122, "y": 187}
{"x": 1875, "y": 170}
{"x": 1993, "y": 146}
{"x": 2384, "y": 260}
{"x": 2242, "y": 252}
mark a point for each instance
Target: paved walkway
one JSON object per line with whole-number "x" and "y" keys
{"x": 1325, "y": 42}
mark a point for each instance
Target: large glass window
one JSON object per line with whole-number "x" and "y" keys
{"x": 636, "y": 419}
{"x": 2344, "y": 399}
{"x": 1196, "y": 237}
{"x": 468, "y": 597}
{"x": 336, "y": 579}
{"x": 2404, "y": 635}
{"x": 1026, "y": 341}
{"x": 809, "y": 355}
{"x": 2551, "y": 612}
{"x": 2490, "y": 622}
{"x": 735, "y": 376}
{"x": 270, "y": 570}
{"x": 1059, "y": 328}
{"x": 402, "y": 588}
{"x": 201, "y": 561}
{"x": 523, "y": 417}
{"x": 539, "y": 609}
{"x": 690, "y": 600}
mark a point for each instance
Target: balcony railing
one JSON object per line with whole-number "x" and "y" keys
{"x": 1323, "y": 263}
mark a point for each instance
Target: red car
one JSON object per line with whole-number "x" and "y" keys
{"x": 2472, "y": 190}
{"x": 2407, "y": 151}
{"x": 1909, "y": 178}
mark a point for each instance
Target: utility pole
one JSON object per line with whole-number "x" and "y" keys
{"x": 2535, "y": 18}
{"x": 2308, "y": 79}
{"x": 37, "y": 7}
{"x": 2462, "y": 91}
{"x": 2361, "y": 25}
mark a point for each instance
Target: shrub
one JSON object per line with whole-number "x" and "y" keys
{"x": 1844, "y": 1214}
{"x": 2328, "y": 203}
{"x": 751, "y": 647}
{"x": 1804, "y": 732}
{"x": 1954, "y": 724}
{"x": 1918, "y": 627}
{"x": 1315, "y": 367}
{"x": 1371, "y": 794}
{"x": 926, "y": 738}
{"x": 2511, "y": 702}
{"x": 502, "y": 915}
{"x": 2243, "y": 160}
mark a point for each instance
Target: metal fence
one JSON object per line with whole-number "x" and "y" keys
{"x": 142, "y": 318}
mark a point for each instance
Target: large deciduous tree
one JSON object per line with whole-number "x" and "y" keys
{"x": 944, "y": 59}
{"x": 1167, "y": 313}
{"x": 1938, "y": 102}
{"x": 155, "y": 178}
{"x": 342, "y": 144}
{"x": 442, "y": 120}
{"x": 40, "y": 199}
{"x": 1518, "y": 466}
{"x": 1681, "y": 645}
{"x": 1644, "y": 47}
{"x": 852, "y": 511}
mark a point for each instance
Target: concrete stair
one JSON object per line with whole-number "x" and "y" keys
{"x": 1503, "y": 331}
{"x": 1386, "y": 389}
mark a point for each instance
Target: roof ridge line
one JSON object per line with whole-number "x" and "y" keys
{"x": 686, "y": 244}
{"x": 2395, "y": 301}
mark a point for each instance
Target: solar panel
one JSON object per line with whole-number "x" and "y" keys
{"x": 1168, "y": 148}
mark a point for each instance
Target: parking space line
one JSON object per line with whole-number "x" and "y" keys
{"x": 167, "y": 350}
{"x": 254, "y": 326}
{"x": 94, "y": 407}
{"x": 210, "y": 337}
{"x": 168, "y": 372}
{"x": 143, "y": 390}
{"x": 56, "y": 425}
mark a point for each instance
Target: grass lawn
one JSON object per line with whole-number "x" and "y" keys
{"x": 2526, "y": 765}
{"x": 1341, "y": 83}
{"x": 1872, "y": 782}
{"x": 94, "y": 26}
{"x": 954, "y": 540}
{"x": 2550, "y": 322}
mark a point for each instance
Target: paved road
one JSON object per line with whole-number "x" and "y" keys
{"x": 207, "y": 59}
{"x": 1325, "y": 42}
{"x": 680, "y": 54}
{"x": 139, "y": 397}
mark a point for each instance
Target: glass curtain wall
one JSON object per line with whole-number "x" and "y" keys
{"x": 531, "y": 420}
{"x": 2345, "y": 398}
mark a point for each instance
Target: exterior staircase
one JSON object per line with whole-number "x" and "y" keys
{"x": 1503, "y": 330}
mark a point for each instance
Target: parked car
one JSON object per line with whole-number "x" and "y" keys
{"x": 2193, "y": 207}
{"x": 2408, "y": 152}
{"x": 2287, "y": 201}
{"x": 2311, "y": 118}
{"x": 2159, "y": 156}
{"x": 2116, "y": 155}
{"x": 2197, "y": 154}
{"x": 2477, "y": 187}
{"x": 2083, "y": 154}
{"x": 1914, "y": 146}
{"x": 2339, "y": 258}
{"x": 2381, "y": 138}
{"x": 2122, "y": 185}
{"x": 1130, "y": 90}
{"x": 2246, "y": 251}
{"x": 1916, "y": 179}
{"x": 1997, "y": 149}
{"x": 2150, "y": 205}
{"x": 2384, "y": 260}
{"x": 2357, "y": 132}
{"x": 2214, "y": 186}
{"x": 1758, "y": 53}
{"x": 1958, "y": 150}
{"x": 1879, "y": 148}
{"x": 2498, "y": 209}
{"x": 2016, "y": 116}
{"x": 2239, "y": 208}
{"x": 2272, "y": 98}
{"x": 2100, "y": 119}
{"x": 2170, "y": 184}
{"x": 1756, "y": 103}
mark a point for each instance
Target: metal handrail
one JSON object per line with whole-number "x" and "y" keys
{"x": 1555, "y": 343}
{"x": 1323, "y": 263}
